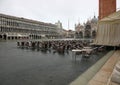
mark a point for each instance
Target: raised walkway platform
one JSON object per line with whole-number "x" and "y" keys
{"x": 103, "y": 75}
{"x": 100, "y": 73}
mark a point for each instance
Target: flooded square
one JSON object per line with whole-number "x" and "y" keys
{"x": 32, "y": 67}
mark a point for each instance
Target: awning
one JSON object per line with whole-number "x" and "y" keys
{"x": 108, "y": 31}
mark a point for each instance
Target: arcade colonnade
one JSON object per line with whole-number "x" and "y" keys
{"x": 12, "y": 27}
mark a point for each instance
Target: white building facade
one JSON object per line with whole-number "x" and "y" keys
{"x": 12, "y": 27}
{"x": 87, "y": 30}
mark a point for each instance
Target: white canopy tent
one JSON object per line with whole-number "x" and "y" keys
{"x": 108, "y": 32}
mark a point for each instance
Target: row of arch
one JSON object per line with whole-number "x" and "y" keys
{"x": 6, "y": 37}
{"x": 86, "y": 34}
{"x": 31, "y": 36}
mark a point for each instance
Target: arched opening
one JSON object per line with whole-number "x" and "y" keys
{"x": 88, "y": 27}
{"x": 4, "y": 36}
{"x": 94, "y": 34}
{"x": 81, "y": 34}
{"x": 36, "y": 36}
{"x": 76, "y": 34}
{"x": 8, "y": 37}
{"x": 87, "y": 34}
{"x": 19, "y": 37}
{"x": 12, "y": 37}
{"x": 0, "y": 36}
{"x": 16, "y": 37}
{"x": 30, "y": 36}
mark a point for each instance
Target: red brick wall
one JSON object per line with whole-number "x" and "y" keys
{"x": 106, "y": 7}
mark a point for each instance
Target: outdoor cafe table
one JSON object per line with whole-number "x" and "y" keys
{"x": 86, "y": 50}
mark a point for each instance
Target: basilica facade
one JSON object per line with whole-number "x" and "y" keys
{"x": 86, "y": 30}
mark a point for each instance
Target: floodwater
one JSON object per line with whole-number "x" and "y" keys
{"x": 31, "y": 67}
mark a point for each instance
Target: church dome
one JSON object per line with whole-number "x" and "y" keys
{"x": 94, "y": 19}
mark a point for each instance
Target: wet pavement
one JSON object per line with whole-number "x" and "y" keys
{"x": 31, "y": 67}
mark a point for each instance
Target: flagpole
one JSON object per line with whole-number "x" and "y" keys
{"x": 68, "y": 24}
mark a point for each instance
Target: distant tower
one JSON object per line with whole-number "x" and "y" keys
{"x": 106, "y": 7}
{"x": 68, "y": 24}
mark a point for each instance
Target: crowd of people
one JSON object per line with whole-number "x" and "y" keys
{"x": 81, "y": 47}
{"x": 60, "y": 46}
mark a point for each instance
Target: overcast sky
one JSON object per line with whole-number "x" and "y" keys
{"x": 52, "y": 10}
